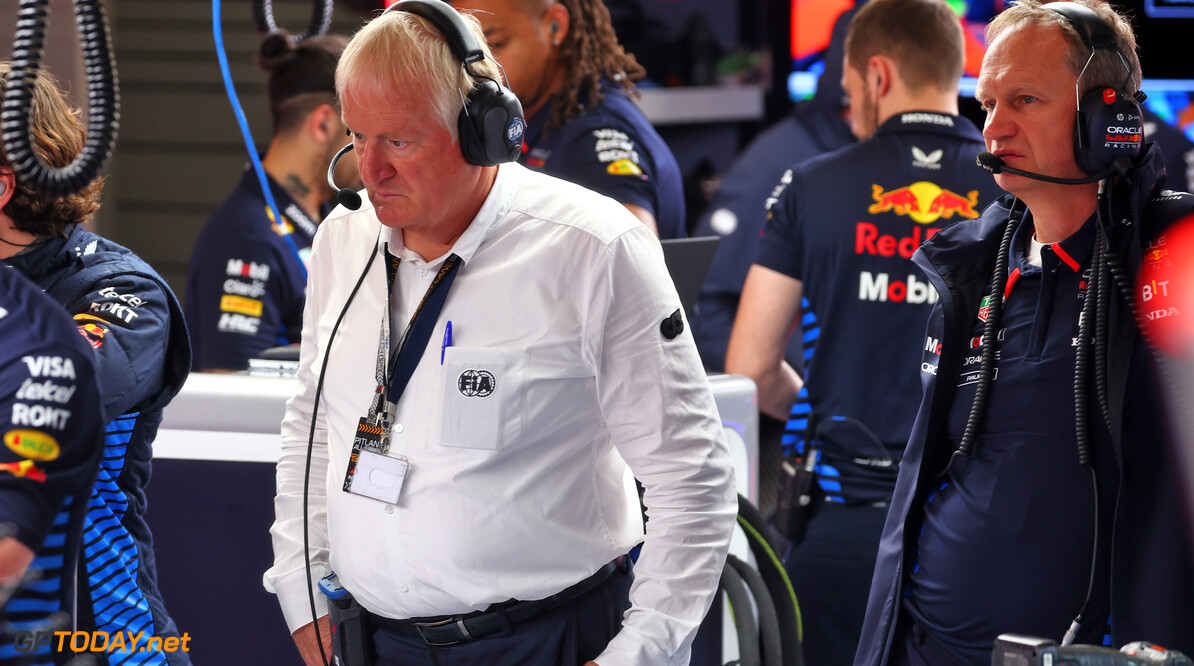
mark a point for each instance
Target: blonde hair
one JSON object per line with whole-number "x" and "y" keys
{"x": 400, "y": 50}
{"x": 1106, "y": 69}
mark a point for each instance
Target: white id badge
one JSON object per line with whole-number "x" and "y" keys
{"x": 379, "y": 477}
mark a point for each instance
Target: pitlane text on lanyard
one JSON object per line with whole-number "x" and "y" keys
{"x": 372, "y": 472}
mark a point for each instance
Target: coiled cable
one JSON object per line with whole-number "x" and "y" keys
{"x": 986, "y": 372}
{"x": 102, "y": 92}
{"x": 321, "y": 19}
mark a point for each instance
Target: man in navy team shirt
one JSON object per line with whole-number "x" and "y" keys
{"x": 50, "y": 422}
{"x": 574, "y": 79}
{"x": 842, "y": 234}
{"x": 246, "y": 284}
{"x": 1053, "y": 499}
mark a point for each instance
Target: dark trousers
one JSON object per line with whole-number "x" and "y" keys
{"x": 913, "y": 647}
{"x": 568, "y": 635}
{"x": 831, "y": 573}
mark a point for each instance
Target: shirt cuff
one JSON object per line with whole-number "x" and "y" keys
{"x": 629, "y": 648}
{"x": 292, "y": 595}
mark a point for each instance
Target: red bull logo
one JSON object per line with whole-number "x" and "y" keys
{"x": 92, "y": 332}
{"x": 947, "y": 203}
{"x": 901, "y": 200}
{"x": 1156, "y": 254}
{"x": 283, "y": 229}
{"x": 868, "y": 240}
{"x": 924, "y": 202}
{"x": 24, "y": 469}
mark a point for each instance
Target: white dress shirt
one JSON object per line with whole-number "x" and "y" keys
{"x": 521, "y": 493}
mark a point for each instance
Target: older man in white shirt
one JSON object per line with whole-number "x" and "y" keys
{"x": 471, "y": 492}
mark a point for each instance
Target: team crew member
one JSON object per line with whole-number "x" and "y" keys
{"x": 246, "y": 283}
{"x": 842, "y": 234}
{"x": 575, "y": 81}
{"x": 50, "y": 422}
{"x": 738, "y": 210}
{"x": 128, "y": 314}
{"x": 997, "y": 537}
{"x": 563, "y": 354}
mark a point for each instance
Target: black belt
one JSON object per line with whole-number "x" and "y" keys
{"x": 465, "y": 628}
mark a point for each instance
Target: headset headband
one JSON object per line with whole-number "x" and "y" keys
{"x": 1095, "y": 33}
{"x": 1107, "y": 131}
{"x": 1093, "y": 30}
{"x": 449, "y": 24}
{"x": 490, "y": 124}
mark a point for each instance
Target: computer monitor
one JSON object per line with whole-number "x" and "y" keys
{"x": 688, "y": 260}
{"x": 1170, "y": 97}
{"x": 812, "y": 24}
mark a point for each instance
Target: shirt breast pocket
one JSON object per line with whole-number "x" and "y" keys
{"x": 482, "y": 397}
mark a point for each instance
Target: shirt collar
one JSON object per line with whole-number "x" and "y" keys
{"x": 304, "y": 227}
{"x": 929, "y": 121}
{"x": 1073, "y": 252}
{"x": 46, "y": 257}
{"x": 497, "y": 204}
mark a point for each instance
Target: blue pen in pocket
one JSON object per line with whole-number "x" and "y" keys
{"x": 447, "y": 341}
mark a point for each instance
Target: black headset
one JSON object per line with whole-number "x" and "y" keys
{"x": 1109, "y": 128}
{"x": 491, "y": 123}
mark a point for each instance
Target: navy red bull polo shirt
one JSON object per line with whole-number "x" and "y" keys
{"x": 846, "y": 226}
{"x": 245, "y": 285}
{"x": 612, "y": 149}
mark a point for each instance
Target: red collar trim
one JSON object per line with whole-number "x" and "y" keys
{"x": 1011, "y": 280}
{"x": 1064, "y": 256}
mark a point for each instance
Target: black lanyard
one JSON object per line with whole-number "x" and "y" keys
{"x": 393, "y": 376}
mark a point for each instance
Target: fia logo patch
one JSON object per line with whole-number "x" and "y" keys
{"x": 514, "y": 130}
{"x": 476, "y": 383}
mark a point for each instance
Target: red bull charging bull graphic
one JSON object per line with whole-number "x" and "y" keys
{"x": 924, "y": 202}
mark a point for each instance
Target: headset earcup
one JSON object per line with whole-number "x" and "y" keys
{"x": 1109, "y": 128}
{"x": 491, "y": 125}
{"x": 470, "y": 139}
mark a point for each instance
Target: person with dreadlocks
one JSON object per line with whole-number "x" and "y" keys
{"x": 575, "y": 82}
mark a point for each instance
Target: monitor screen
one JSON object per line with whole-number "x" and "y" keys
{"x": 1172, "y": 99}
{"x": 812, "y": 24}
